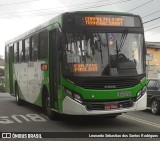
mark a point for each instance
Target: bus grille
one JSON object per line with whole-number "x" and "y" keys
{"x": 108, "y": 84}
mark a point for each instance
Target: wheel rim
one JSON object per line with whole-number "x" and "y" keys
{"x": 154, "y": 106}
{"x": 17, "y": 94}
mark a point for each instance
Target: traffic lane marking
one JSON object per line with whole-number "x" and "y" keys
{"x": 142, "y": 121}
{"x": 22, "y": 118}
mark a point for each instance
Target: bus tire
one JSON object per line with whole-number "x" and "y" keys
{"x": 155, "y": 107}
{"x": 47, "y": 109}
{"x": 18, "y": 100}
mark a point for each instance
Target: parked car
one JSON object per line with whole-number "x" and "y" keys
{"x": 153, "y": 95}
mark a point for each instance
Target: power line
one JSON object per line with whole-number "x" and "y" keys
{"x": 140, "y": 6}
{"x": 152, "y": 24}
{"x": 122, "y": 1}
{"x": 7, "y": 4}
{"x": 152, "y": 28}
{"x": 151, "y": 14}
{"x": 151, "y": 20}
{"x": 54, "y": 8}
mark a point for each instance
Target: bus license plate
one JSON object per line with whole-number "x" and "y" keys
{"x": 111, "y": 106}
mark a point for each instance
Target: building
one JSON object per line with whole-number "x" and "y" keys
{"x": 1, "y": 62}
{"x": 153, "y": 59}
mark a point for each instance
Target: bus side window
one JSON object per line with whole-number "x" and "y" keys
{"x": 34, "y": 47}
{"x": 20, "y": 52}
{"x": 23, "y": 49}
{"x": 26, "y": 42}
{"x": 6, "y": 54}
{"x": 43, "y": 45}
{"x": 16, "y": 53}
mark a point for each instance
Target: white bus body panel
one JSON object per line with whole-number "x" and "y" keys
{"x": 72, "y": 107}
{"x": 29, "y": 77}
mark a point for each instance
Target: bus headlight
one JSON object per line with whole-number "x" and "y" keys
{"x": 73, "y": 95}
{"x": 77, "y": 98}
{"x": 68, "y": 92}
{"x": 141, "y": 92}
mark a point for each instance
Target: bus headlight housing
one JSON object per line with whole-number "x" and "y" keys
{"x": 141, "y": 92}
{"x": 68, "y": 92}
{"x": 75, "y": 96}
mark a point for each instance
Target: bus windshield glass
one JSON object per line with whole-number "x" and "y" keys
{"x": 103, "y": 54}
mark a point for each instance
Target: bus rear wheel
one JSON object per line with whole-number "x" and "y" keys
{"x": 47, "y": 109}
{"x": 18, "y": 100}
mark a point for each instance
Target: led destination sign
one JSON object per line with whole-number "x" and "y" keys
{"x": 100, "y": 20}
{"x": 111, "y": 20}
{"x": 104, "y": 21}
{"x": 85, "y": 67}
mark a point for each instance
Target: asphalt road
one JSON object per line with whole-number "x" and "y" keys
{"x": 28, "y": 118}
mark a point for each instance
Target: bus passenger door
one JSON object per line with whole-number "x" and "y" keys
{"x": 54, "y": 67}
{"x": 10, "y": 57}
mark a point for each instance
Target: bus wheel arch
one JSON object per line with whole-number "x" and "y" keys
{"x": 44, "y": 94}
{"x": 18, "y": 100}
{"x": 46, "y": 105}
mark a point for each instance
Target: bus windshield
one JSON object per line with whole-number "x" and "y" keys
{"x": 103, "y": 54}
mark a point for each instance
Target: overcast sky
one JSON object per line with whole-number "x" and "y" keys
{"x": 18, "y": 16}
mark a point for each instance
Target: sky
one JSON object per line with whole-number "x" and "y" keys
{"x": 18, "y": 16}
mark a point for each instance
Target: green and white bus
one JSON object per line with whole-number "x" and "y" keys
{"x": 80, "y": 63}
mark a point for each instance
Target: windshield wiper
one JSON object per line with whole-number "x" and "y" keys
{"x": 100, "y": 47}
{"x": 82, "y": 52}
{"x": 122, "y": 41}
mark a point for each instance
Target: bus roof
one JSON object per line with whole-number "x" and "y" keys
{"x": 104, "y": 12}
{"x": 58, "y": 19}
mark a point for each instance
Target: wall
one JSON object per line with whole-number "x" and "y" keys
{"x": 153, "y": 66}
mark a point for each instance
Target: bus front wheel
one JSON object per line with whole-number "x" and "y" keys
{"x": 47, "y": 109}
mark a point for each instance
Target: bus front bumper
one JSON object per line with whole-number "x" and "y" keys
{"x": 72, "y": 107}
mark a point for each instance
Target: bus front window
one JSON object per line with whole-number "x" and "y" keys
{"x": 103, "y": 54}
